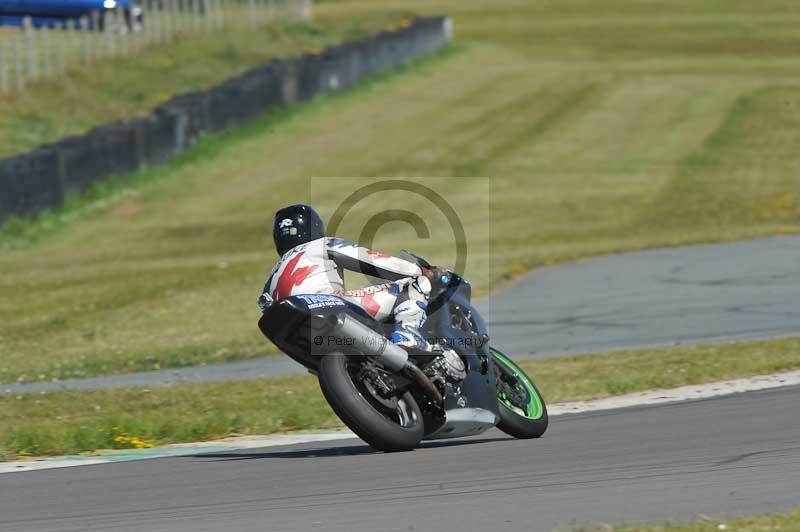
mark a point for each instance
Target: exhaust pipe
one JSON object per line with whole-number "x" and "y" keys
{"x": 417, "y": 375}
{"x": 393, "y": 357}
{"x": 370, "y": 343}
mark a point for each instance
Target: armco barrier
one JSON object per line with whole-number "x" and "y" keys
{"x": 30, "y": 182}
{"x": 40, "y": 179}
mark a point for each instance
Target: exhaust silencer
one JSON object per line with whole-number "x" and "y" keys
{"x": 368, "y": 342}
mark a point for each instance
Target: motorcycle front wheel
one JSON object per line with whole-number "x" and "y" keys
{"x": 523, "y": 413}
{"x": 388, "y": 424}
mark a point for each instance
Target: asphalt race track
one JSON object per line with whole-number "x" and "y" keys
{"x": 696, "y": 294}
{"x": 725, "y": 456}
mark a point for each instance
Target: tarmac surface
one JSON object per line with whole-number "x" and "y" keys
{"x": 697, "y": 294}
{"x": 735, "y": 291}
{"x": 719, "y": 457}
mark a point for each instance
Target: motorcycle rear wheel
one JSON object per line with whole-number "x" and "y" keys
{"x": 387, "y": 429}
{"x": 523, "y": 413}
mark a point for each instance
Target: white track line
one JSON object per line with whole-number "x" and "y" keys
{"x": 684, "y": 393}
{"x": 652, "y": 397}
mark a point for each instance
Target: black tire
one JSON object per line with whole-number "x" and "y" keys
{"x": 524, "y": 418}
{"x": 363, "y": 416}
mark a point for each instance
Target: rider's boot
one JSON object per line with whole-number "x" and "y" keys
{"x": 410, "y": 316}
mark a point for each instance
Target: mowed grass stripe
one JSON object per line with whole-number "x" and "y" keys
{"x": 730, "y": 180}
{"x": 568, "y": 103}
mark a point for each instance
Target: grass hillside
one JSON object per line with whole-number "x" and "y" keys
{"x": 603, "y": 127}
{"x": 122, "y": 87}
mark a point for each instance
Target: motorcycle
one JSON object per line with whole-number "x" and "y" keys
{"x": 394, "y": 397}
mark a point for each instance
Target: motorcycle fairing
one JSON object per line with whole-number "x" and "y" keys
{"x": 473, "y": 408}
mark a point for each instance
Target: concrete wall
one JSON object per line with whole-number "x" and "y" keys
{"x": 40, "y": 179}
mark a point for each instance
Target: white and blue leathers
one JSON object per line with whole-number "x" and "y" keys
{"x": 317, "y": 267}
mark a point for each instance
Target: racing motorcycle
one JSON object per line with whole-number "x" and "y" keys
{"x": 394, "y": 397}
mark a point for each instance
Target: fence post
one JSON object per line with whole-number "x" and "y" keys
{"x": 146, "y": 26}
{"x": 69, "y": 33}
{"x": 156, "y": 20}
{"x": 196, "y": 15}
{"x": 206, "y": 5}
{"x": 62, "y": 41}
{"x": 85, "y": 51}
{"x": 220, "y": 18}
{"x": 46, "y": 48}
{"x": 19, "y": 74}
{"x": 186, "y": 12}
{"x": 3, "y": 70}
{"x": 169, "y": 20}
{"x": 95, "y": 46}
{"x": 175, "y": 18}
{"x": 30, "y": 48}
{"x": 107, "y": 33}
{"x": 190, "y": 15}
{"x": 180, "y": 27}
{"x": 134, "y": 38}
{"x": 163, "y": 22}
{"x": 121, "y": 29}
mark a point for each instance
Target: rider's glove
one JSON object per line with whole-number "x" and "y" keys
{"x": 438, "y": 277}
{"x": 434, "y": 273}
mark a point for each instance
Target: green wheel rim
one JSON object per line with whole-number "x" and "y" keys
{"x": 533, "y": 409}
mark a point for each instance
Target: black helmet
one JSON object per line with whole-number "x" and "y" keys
{"x": 295, "y": 225}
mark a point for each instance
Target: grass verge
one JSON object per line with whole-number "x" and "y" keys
{"x": 69, "y": 422}
{"x": 580, "y": 377}
{"x": 788, "y": 522}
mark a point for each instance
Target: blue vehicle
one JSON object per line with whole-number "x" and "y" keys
{"x": 56, "y": 12}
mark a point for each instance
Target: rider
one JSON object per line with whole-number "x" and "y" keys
{"x": 312, "y": 263}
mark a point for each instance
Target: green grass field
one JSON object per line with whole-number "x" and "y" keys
{"x": 602, "y": 127}
{"x": 69, "y": 422}
{"x": 120, "y": 87}
{"x": 785, "y": 522}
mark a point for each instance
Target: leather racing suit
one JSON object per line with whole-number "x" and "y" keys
{"x": 316, "y": 267}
